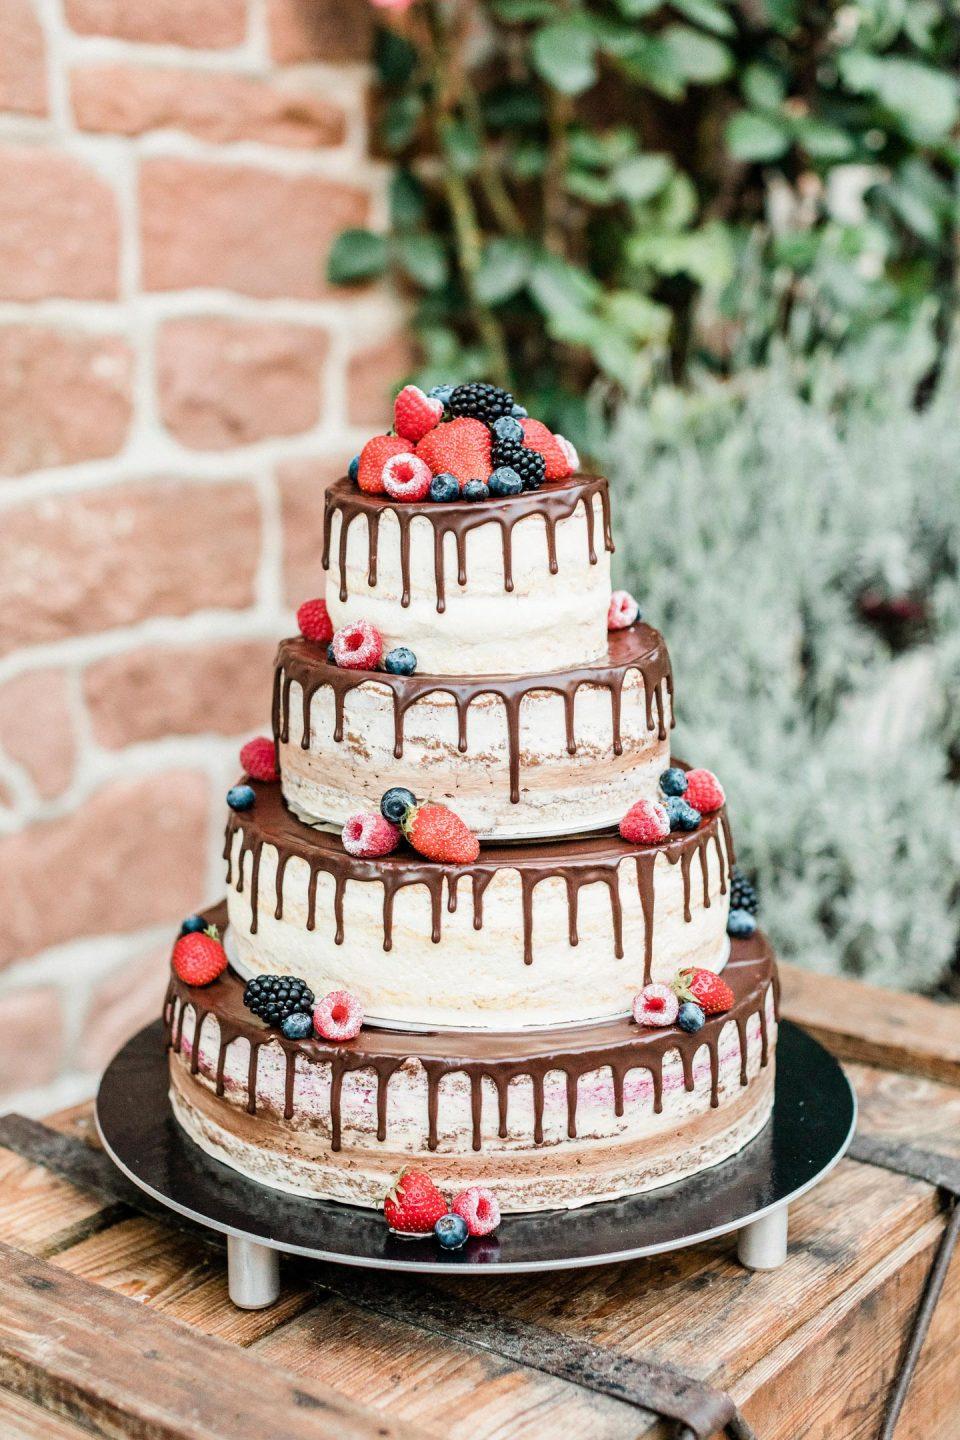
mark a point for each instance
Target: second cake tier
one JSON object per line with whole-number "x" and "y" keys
{"x": 551, "y": 933}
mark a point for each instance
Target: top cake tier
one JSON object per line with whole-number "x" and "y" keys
{"x": 514, "y": 585}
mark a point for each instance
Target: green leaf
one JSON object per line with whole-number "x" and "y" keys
{"x": 504, "y": 268}
{"x": 924, "y": 100}
{"x": 424, "y": 259}
{"x": 706, "y": 255}
{"x": 564, "y": 54}
{"x": 699, "y": 58}
{"x": 527, "y": 161}
{"x": 821, "y": 140}
{"x": 708, "y": 13}
{"x": 400, "y": 120}
{"x": 356, "y": 255}
{"x": 407, "y": 205}
{"x": 520, "y": 12}
{"x": 461, "y": 147}
{"x": 637, "y": 9}
{"x": 586, "y": 186}
{"x": 642, "y": 177}
{"x": 756, "y": 137}
{"x": 763, "y": 87}
{"x": 641, "y": 318}
{"x": 512, "y": 105}
{"x": 394, "y": 57}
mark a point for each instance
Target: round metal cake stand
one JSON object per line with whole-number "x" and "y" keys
{"x": 812, "y": 1124}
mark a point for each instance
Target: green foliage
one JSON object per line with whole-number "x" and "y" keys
{"x": 579, "y": 184}
{"x": 803, "y": 558}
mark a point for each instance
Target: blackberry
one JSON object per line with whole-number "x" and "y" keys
{"x": 743, "y": 895}
{"x": 275, "y": 997}
{"x": 480, "y": 402}
{"x": 529, "y": 464}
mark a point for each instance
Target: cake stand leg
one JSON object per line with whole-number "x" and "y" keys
{"x": 253, "y": 1273}
{"x": 762, "y": 1245}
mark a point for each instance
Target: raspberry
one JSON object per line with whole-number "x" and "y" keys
{"x": 407, "y": 477}
{"x": 645, "y": 823}
{"x": 705, "y": 989}
{"x": 436, "y": 832}
{"x": 373, "y": 457}
{"x": 460, "y": 448}
{"x": 623, "y": 611}
{"x": 537, "y": 437}
{"x": 414, "y": 414}
{"x": 570, "y": 451}
{"x": 358, "y": 646}
{"x": 338, "y": 1016}
{"x": 414, "y": 1204}
{"x": 199, "y": 958}
{"x": 314, "y": 621}
{"x": 704, "y": 791}
{"x": 655, "y": 1005}
{"x": 369, "y": 834}
{"x": 479, "y": 1207}
{"x": 259, "y": 759}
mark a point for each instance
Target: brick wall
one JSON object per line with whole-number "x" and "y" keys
{"x": 177, "y": 383}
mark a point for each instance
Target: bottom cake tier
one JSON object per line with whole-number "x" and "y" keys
{"x": 547, "y": 1119}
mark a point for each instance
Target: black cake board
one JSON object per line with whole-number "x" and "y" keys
{"x": 811, "y": 1126}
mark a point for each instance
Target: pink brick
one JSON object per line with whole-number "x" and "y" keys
{"x": 74, "y": 564}
{"x": 241, "y": 228}
{"x": 130, "y": 997}
{"x": 221, "y": 688}
{"x": 302, "y": 483}
{"x": 36, "y": 728}
{"x": 307, "y": 30}
{"x": 60, "y": 233}
{"x": 129, "y": 100}
{"x": 134, "y": 855}
{"x": 64, "y": 397}
{"x": 231, "y": 382}
{"x": 31, "y": 1024}
{"x": 23, "y": 78}
{"x": 212, "y": 25}
{"x": 373, "y": 379}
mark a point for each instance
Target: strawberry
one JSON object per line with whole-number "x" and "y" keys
{"x": 259, "y": 759}
{"x": 358, "y": 646}
{"x": 406, "y": 477}
{"x": 373, "y": 457}
{"x": 704, "y": 791}
{"x": 623, "y": 611}
{"x": 413, "y": 1205}
{"x": 645, "y": 823}
{"x": 705, "y": 989}
{"x": 479, "y": 1208}
{"x": 415, "y": 414}
{"x": 537, "y": 437}
{"x": 199, "y": 958}
{"x": 435, "y": 831}
{"x": 338, "y": 1016}
{"x": 369, "y": 835}
{"x": 460, "y": 447}
{"x": 314, "y": 622}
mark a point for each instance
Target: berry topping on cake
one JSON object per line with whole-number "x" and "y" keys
{"x": 741, "y": 924}
{"x": 451, "y": 1232}
{"x": 570, "y": 450}
{"x": 480, "y": 1208}
{"x": 373, "y": 457}
{"x": 476, "y": 490}
{"x": 414, "y": 414}
{"x": 681, "y": 815}
{"x": 674, "y": 781}
{"x": 645, "y": 823}
{"x": 480, "y": 401}
{"x": 241, "y": 797}
{"x": 743, "y": 894}
{"x": 537, "y": 437}
{"x": 709, "y": 991}
{"x": 655, "y": 1005}
{"x": 400, "y": 661}
{"x": 395, "y": 803}
{"x": 690, "y": 1017}
{"x": 407, "y": 477}
{"x": 353, "y": 469}
{"x": 460, "y": 448}
{"x": 297, "y": 1026}
{"x": 528, "y": 464}
{"x": 314, "y": 621}
{"x": 369, "y": 834}
{"x": 504, "y": 482}
{"x": 443, "y": 488}
{"x": 199, "y": 958}
{"x": 441, "y": 393}
{"x": 623, "y": 611}
{"x": 704, "y": 791}
{"x": 358, "y": 646}
{"x": 193, "y": 924}
{"x": 413, "y": 1205}
{"x": 259, "y": 759}
{"x": 275, "y": 997}
{"x": 338, "y": 1016}
{"x": 507, "y": 431}
{"x": 436, "y": 832}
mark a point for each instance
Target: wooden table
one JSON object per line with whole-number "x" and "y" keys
{"x": 115, "y": 1320}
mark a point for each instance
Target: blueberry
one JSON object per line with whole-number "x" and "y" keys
{"x": 741, "y": 924}
{"x": 400, "y": 661}
{"x": 354, "y": 468}
{"x": 297, "y": 1026}
{"x": 192, "y": 924}
{"x": 690, "y": 1017}
{"x": 444, "y": 487}
{"x": 451, "y": 1231}
{"x": 395, "y": 803}
{"x": 681, "y": 815}
{"x": 331, "y": 658}
{"x": 441, "y": 393}
{"x": 673, "y": 781}
{"x": 520, "y": 412}
{"x": 476, "y": 490}
{"x": 241, "y": 797}
{"x": 509, "y": 429}
{"x": 505, "y": 481}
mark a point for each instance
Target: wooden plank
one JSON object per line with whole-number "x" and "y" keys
{"x": 921, "y": 1112}
{"x": 897, "y": 1031}
{"x": 21, "y": 1419}
{"x": 125, "y": 1371}
{"x": 76, "y": 1121}
{"x": 41, "y": 1213}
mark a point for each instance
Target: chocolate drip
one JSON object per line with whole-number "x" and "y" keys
{"x": 556, "y": 501}
{"x": 619, "y": 1046}
{"x": 639, "y": 649}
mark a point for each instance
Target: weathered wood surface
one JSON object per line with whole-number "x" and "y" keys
{"x": 808, "y": 1351}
